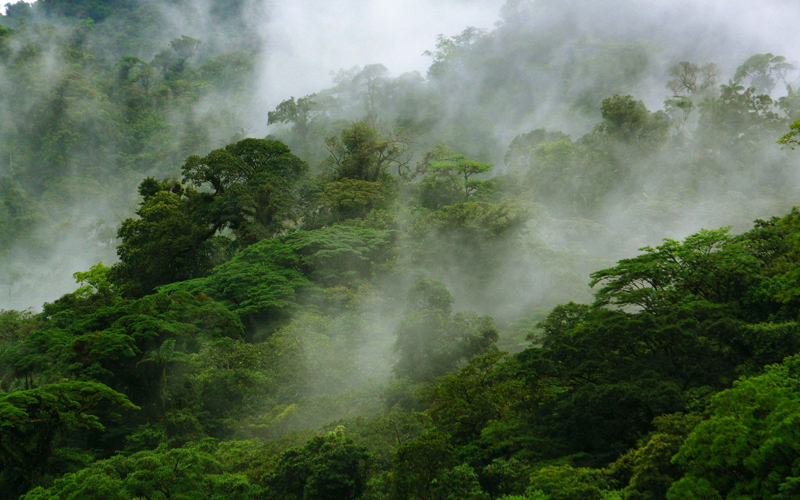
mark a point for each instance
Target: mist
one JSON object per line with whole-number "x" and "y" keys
{"x": 299, "y": 45}
{"x": 260, "y": 221}
{"x": 307, "y": 41}
{"x": 531, "y": 65}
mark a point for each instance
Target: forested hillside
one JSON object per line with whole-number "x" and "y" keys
{"x": 505, "y": 279}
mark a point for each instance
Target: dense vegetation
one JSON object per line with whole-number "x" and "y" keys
{"x": 364, "y": 304}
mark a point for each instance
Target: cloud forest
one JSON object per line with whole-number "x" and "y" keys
{"x": 560, "y": 260}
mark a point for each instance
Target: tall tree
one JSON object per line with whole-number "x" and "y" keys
{"x": 431, "y": 340}
{"x": 35, "y": 422}
{"x": 166, "y": 243}
{"x": 254, "y": 183}
{"x": 362, "y": 153}
{"x": 459, "y": 171}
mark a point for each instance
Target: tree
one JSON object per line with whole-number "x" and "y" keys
{"x": 254, "y": 195}
{"x": 739, "y": 112}
{"x": 326, "y": 467}
{"x": 457, "y": 171}
{"x": 299, "y": 113}
{"x": 265, "y": 279}
{"x": 254, "y": 184}
{"x": 365, "y": 84}
{"x": 173, "y": 60}
{"x": 520, "y": 151}
{"x": 231, "y": 72}
{"x": 37, "y": 422}
{"x": 361, "y": 153}
{"x": 450, "y": 50}
{"x": 763, "y": 71}
{"x": 431, "y": 340}
{"x": 463, "y": 403}
{"x": 459, "y": 483}
{"x": 792, "y": 138}
{"x": 202, "y": 470}
{"x": 749, "y": 447}
{"x": 790, "y": 103}
{"x": 564, "y": 482}
{"x": 333, "y": 202}
{"x": 15, "y": 328}
{"x": 372, "y": 78}
{"x": 668, "y": 328}
{"x": 419, "y": 463}
{"x": 689, "y": 78}
{"x": 162, "y": 357}
{"x": 629, "y": 120}
{"x": 710, "y": 265}
{"x": 257, "y": 284}
{"x": 167, "y": 243}
{"x": 21, "y": 10}
{"x": 647, "y": 472}
{"x": 679, "y": 109}
{"x": 96, "y": 10}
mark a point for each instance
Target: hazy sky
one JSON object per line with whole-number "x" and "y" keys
{"x": 4, "y": 3}
{"x": 308, "y": 39}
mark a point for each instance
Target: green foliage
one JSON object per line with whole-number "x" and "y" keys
{"x": 204, "y": 470}
{"x": 87, "y": 109}
{"x": 362, "y": 153}
{"x": 668, "y": 329}
{"x": 21, "y": 10}
{"x": 481, "y": 219}
{"x": 573, "y": 178}
{"x": 96, "y": 10}
{"x": 452, "y": 174}
{"x": 693, "y": 316}
{"x": 253, "y": 183}
{"x": 266, "y": 277}
{"x": 330, "y": 203}
{"x": 459, "y": 483}
{"x": 165, "y": 244}
{"x": 738, "y": 110}
{"x": 462, "y": 404}
{"x": 326, "y": 467}
{"x": 141, "y": 348}
{"x": 15, "y": 327}
{"x": 95, "y": 281}
{"x": 19, "y": 215}
{"x": 748, "y": 447}
{"x": 763, "y": 71}
{"x": 342, "y": 255}
{"x": 648, "y": 471}
{"x": 299, "y": 113}
{"x": 629, "y": 120}
{"x": 450, "y": 49}
{"x": 691, "y": 79}
{"x": 253, "y": 195}
{"x": 37, "y": 422}
{"x": 260, "y": 280}
{"x": 431, "y": 341}
{"x": 568, "y": 483}
{"x": 487, "y": 239}
{"x": 255, "y": 301}
{"x": 419, "y": 463}
{"x": 677, "y": 271}
{"x": 522, "y": 146}
{"x": 791, "y": 138}
{"x": 383, "y": 434}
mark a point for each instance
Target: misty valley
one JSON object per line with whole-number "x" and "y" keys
{"x": 562, "y": 263}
